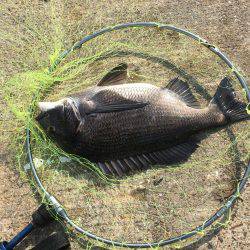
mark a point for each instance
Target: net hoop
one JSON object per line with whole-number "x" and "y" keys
{"x": 198, "y": 230}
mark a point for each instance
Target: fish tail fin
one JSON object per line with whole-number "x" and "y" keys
{"x": 226, "y": 101}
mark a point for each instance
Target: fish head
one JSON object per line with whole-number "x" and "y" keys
{"x": 56, "y": 120}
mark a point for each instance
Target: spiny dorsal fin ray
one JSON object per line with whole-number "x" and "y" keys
{"x": 117, "y": 75}
{"x": 176, "y": 154}
{"x": 182, "y": 89}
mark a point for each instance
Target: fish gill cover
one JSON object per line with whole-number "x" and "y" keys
{"x": 146, "y": 206}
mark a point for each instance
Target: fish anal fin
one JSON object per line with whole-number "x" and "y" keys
{"x": 105, "y": 169}
{"x": 181, "y": 152}
{"x": 121, "y": 167}
{"x": 172, "y": 155}
{"x": 117, "y": 75}
{"x": 117, "y": 167}
{"x": 182, "y": 89}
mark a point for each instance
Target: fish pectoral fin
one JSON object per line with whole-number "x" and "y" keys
{"x": 173, "y": 155}
{"x": 108, "y": 108}
{"x": 107, "y": 101}
{"x": 182, "y": 89}
{"x": 117, "y": 75}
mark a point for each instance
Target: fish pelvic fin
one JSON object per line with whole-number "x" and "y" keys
{"x": 225, "y": 100}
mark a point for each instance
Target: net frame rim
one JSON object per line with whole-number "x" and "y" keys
{"x": 56, "y": 204}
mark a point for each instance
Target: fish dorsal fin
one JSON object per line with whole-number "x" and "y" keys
{"x": 117, "y": 75}
{"x": 173, "y": 155}
{"x": 182, "y": 89}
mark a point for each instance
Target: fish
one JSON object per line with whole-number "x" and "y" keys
{"x": 125, "y": 127}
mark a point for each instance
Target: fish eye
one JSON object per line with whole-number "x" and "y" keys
{"x": 51, "y": 129}
{"x": 42, "y": 116}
